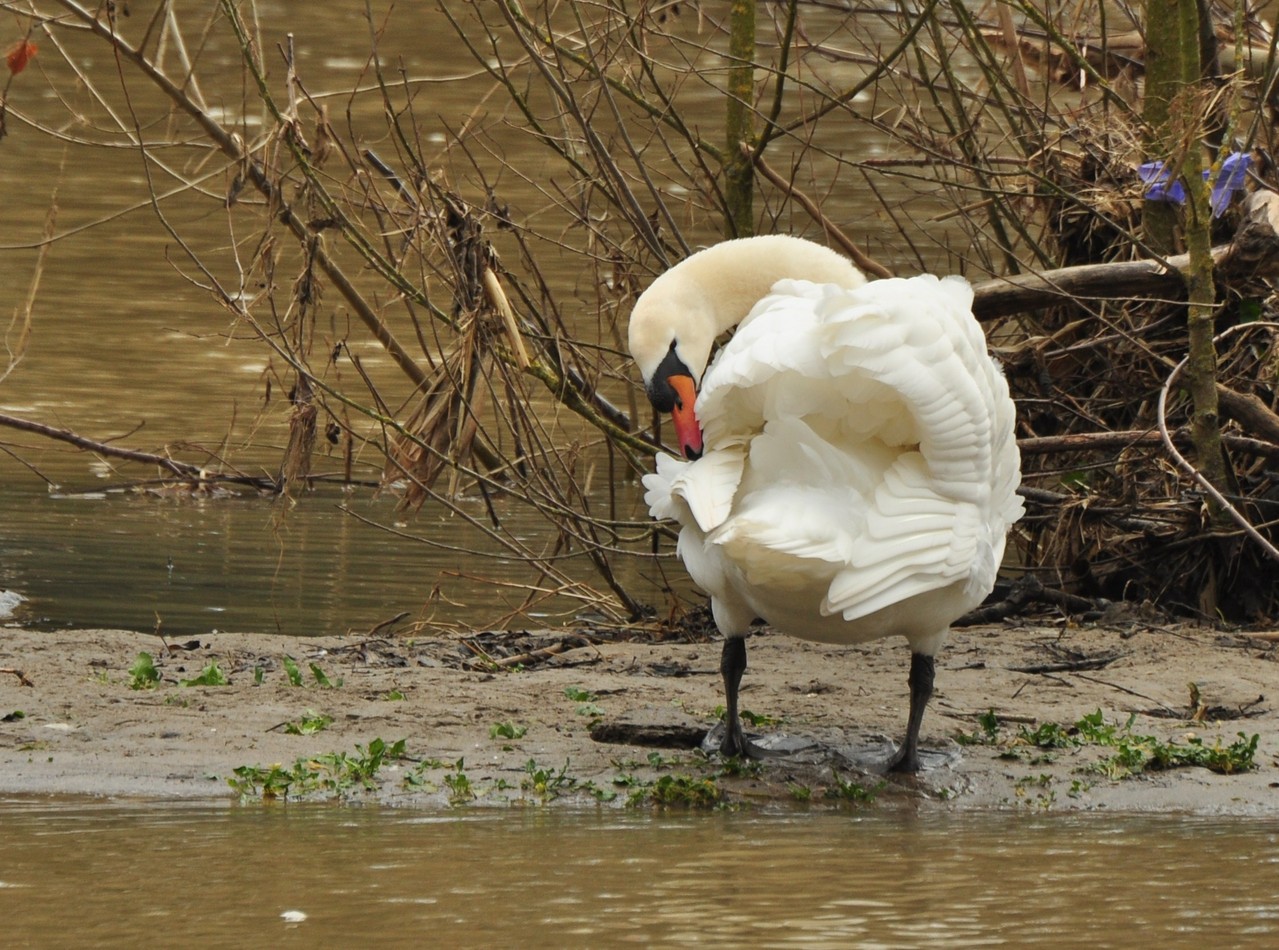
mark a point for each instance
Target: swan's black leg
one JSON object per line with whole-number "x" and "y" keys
{"x": 922, "y": 670}
{"x": 732, "y": 665}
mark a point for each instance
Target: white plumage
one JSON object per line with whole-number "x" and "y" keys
{"x": 859, "y": 470}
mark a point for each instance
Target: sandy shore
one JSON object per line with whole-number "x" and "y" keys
{"x": 507, "y": 717}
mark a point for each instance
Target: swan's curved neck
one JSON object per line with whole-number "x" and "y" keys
{"x": 711, "y": 291}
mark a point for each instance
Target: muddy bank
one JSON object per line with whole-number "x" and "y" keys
{"x": 509, "y": 717}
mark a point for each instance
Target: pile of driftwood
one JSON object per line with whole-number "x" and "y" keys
{"x": 1115, "y": 508}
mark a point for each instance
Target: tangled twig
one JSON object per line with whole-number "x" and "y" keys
{"x": 1189, "y": 468}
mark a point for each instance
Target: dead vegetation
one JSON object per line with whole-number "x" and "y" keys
{"x": 491, "y": 256}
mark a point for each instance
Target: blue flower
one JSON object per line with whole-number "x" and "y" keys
{"x": 1231, "y": 179}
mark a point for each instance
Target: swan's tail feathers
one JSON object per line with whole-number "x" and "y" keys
{"x": 918, "y": 538}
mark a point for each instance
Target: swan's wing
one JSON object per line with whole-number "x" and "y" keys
{"x": 916, "y": 540}
{"x": 799, "y": 508}
{"x": 883, "y": 455}
{"x": 941, "y": 513}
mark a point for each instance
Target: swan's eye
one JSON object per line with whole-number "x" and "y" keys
{"x": 660, "y": 391}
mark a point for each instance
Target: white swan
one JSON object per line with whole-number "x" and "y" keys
{"x": 850, "y": 468}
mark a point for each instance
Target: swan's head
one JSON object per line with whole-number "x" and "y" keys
{"x": 676, "y": 321}
{"x": 671, "y": 345}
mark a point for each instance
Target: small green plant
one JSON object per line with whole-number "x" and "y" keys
{"x": 334, "y": 773}
{"x": 749, "y": 718}
{"x": 1078, "y": 788}
{"x": 1140, "y": 753}
{"x": 14, "y": 716}
{"x": 1132, "y": 753}
{"x": 394, "y": 696}
{"x": 211, "y": 675}
{"x": 987, "y": 731}
{"x": 585, "y": 700}
{"x": 275, "y": 782}
{"x": 846, "y": 791}
{"x": 739, "y": 766}
{"x": 309, "y": 724}
{"x": 1036, "y": 790}
{"x": 143, "y": 674}
{"x": 416, "y": 776}
{"x": 322, "y": 678}
{"x": 1049, "y": 735}
{"x": 460, "y": 790}
{"x": 259, "y": 674}
{"x": 658, "y": 761}
{"x": 507, "y": 730}
{"x": 363, "y": 766}
{"x": 547, "y": 783}
{"x": 291, "y": 671}
{"x": 627, "y": 780}
{"x": 1093, "y": 728}
{"x": 678, "y": 790}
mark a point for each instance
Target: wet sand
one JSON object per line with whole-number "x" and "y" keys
{"x": 83, "y": 730}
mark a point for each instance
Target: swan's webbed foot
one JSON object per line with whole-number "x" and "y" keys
{"x": 904, "y": 761}
{"x": 736, "y": 745}
{"x": 923, "y": 668}
{"x": 734, "y": 741}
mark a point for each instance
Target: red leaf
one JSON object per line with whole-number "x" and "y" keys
{"x": 18, "y": 55}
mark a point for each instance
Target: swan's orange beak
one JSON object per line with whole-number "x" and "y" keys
{"x": 688, "y": 432}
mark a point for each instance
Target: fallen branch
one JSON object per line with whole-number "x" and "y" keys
{"x": 1127, "y": 438}
{"x": 1120, "y": 517}
{"x": 1124, "y": 689}
{"x": 22, "y": 677}
{"x": 377, "y": 628}
{"x": 1253, "y": 251}
{"x": 542, "y": 653}
{"x": 183, "y": 470}
{"x": 1026, "y": 590}
{"x": 1069, "y": 666}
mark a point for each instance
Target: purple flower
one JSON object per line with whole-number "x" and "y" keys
{"x": 1232, "y": 178}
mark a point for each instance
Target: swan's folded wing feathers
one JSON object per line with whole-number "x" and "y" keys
{"x": 770, "y": 539}
{"x": 916, "y": 540}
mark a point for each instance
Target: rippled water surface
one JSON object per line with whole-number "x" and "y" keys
{"x": 104, "y": 875}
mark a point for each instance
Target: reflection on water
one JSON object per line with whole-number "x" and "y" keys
{"x": 111, "y": 876}
{"x": 245, "y": 564}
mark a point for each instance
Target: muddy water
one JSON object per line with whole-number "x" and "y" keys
{"x": 124, "y": 349}
{"x": 223, "y": 877}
